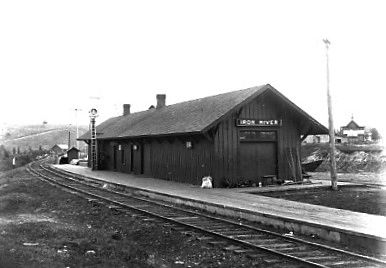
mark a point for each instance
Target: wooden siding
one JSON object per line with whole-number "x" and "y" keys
{"x": 163, "y": 158}
{"x": 109, "y": 152}
{"x": 227, "y": 143}
{"x": 72, "y": 154}
{"x": 171, "y": 160}
{"x": 225, "y": 147}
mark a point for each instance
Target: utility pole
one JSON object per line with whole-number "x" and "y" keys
{"x": 69, "y": 140}
{"x": 77, "y": 127}
{"x": 334, "y": 184}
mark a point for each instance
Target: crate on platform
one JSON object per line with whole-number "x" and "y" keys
{"x": 269, "y": 180}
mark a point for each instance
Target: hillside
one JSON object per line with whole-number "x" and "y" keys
{"x": 10, "y": 132}
{"x": 349, "y": 158}
{"x": 33, "y": 137}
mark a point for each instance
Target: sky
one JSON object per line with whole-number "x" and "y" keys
{"x": 58, "y": 56}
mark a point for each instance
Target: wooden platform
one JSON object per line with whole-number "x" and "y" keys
{"x": 343, "y": 226}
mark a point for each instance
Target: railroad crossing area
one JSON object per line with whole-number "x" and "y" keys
{"x": 342, "y": 226}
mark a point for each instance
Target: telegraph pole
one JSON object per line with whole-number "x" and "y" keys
{"x": 77, "y": 127}
{"x": 69, "y": 139}
{"x": 334, "y": 184}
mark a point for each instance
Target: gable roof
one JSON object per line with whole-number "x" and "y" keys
{"x": 73, "y": 149}
{"x": 353, "y": 125}
{"x": 61, "y": 146}
{"x": 196, "y": 116}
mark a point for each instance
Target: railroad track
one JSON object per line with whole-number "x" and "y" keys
{"x": 232, "y": 235}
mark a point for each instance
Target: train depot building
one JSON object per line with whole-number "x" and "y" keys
{"x": 247, "y": 136}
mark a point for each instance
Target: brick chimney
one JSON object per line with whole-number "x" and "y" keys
{"x": 126, "y": 109}
{"x": 161, "y": 101}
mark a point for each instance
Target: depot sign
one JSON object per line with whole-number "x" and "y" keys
{"x": 258, "y": 122}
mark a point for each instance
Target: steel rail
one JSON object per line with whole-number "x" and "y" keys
{"x": 238, "y": 223}
{"x": 168, "y": 219}
{"x": 204, "y": 230}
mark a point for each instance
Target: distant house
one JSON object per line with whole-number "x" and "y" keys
{"x": 59, "y": 149}
{"x": 353, "y": 132}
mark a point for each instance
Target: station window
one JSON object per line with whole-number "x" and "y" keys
{"x": 257, "y": 135}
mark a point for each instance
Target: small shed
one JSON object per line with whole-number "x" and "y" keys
{"x": 73, "y": 153}
{"x": 59, "y": 149}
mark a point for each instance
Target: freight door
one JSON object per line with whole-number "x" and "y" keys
{"x": 257, "y": 155}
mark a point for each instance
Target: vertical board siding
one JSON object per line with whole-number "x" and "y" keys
{"x": 147, "y": 158}
{"x": 171, "y": 160}
{"x": 226, "y": 146}
{"x": 226, "y": 141}
{"x": 234, "y": 145}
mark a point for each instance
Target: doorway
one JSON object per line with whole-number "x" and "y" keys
{"x": 115, "y": 153}
{"x": 257, "y": 155}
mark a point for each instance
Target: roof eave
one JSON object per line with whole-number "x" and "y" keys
{"x": 150, "y": 136}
